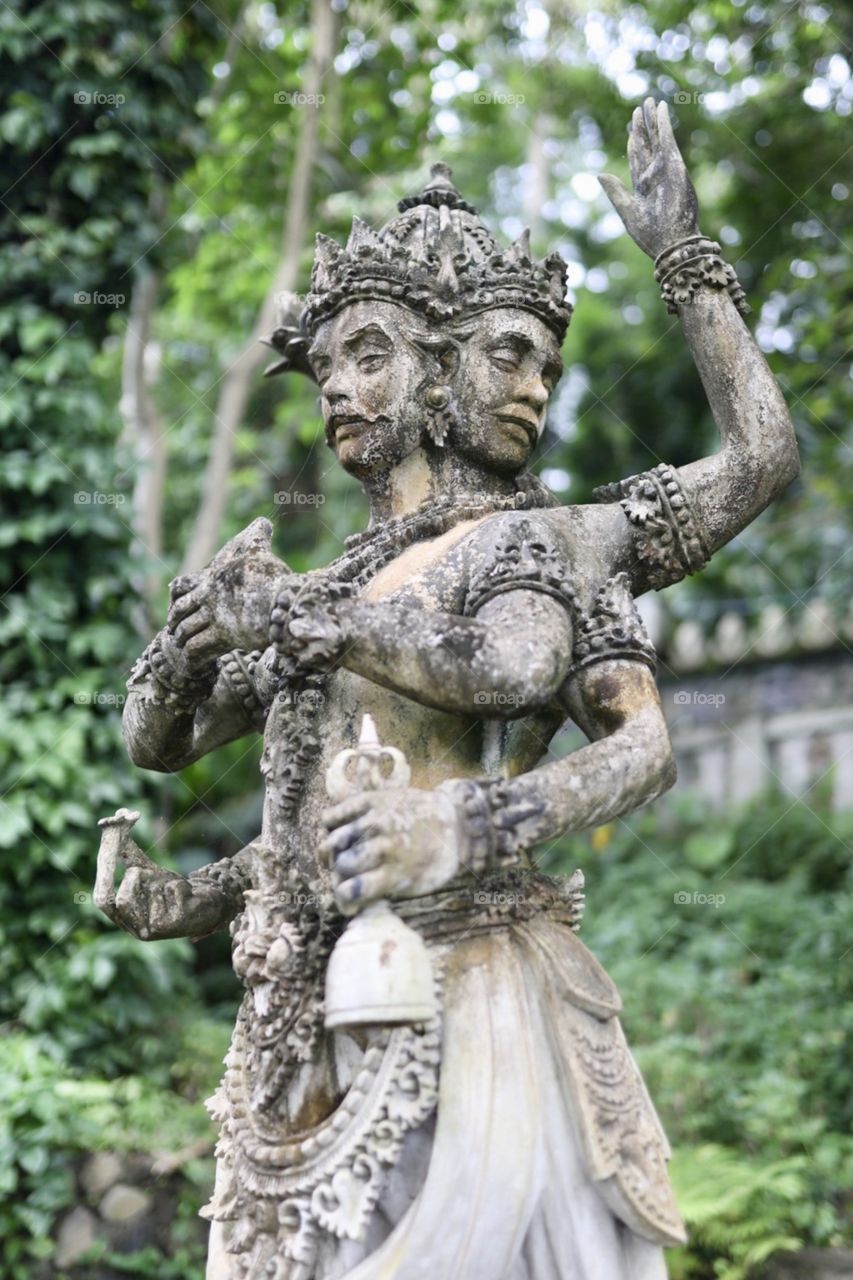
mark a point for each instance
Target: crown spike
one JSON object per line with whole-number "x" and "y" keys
{"x": 436, "y": 258}
{"x": 362, "y": 237}
{"x": 520, "y": 250}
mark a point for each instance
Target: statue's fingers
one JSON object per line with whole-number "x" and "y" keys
{"x": 172, "y": 895}
{"x": 639, "y": 156}
{"x": 617, "y": 194}
{"x": 184, "y": 606}
{"x": 131, "y": 902}
{"x": 181, "y": 585}
{"x": 191, "y": 626}
{"x": 650, "y": 120}
{"x": 202, "y": 646}
{"x": 346, "y": 836}
{"x": 347, "y": 810}
{"x": 639, "y": 148}
{"x": 364, "y": 888}
{"x": 665, "y": 130}
{"x": 364, "y": 856}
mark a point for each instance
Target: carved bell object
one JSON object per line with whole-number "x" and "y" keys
{"x": 379, "y": 971}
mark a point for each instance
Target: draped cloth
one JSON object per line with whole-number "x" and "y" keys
{"x": 545, "y": 1159}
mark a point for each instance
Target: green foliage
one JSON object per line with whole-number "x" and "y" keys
{"x": 85, "y": 1046}
{"x": 728, "y": 943}
{"x": 740, "y": 1012}
{"x": 50, "y": 1119}
{"x": 736, "y": 1209}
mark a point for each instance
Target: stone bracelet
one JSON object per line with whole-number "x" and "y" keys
{"x": 314, "y": 605}
{"x": 683, "y": 268}
{"x": 490, "y": 842}
{"x": 160, "y": 666}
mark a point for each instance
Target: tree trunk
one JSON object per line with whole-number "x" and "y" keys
{"x": 146, "y": 433}
{"x": 237, "y": 383}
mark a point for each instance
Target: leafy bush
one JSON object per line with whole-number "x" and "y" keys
{"x": 727, "y": 940}
{"x": 51, "y": 1119}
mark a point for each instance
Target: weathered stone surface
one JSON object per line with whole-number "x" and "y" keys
{"x": 123, "y": 1203}
{"x": 77, "y": 1232}
{"x": 469, "y": 618}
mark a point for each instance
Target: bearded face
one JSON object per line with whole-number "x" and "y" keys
{"x": 375, "y": 362}
{"x": 368, "y": 374}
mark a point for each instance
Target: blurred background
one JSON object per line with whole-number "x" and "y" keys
{"x": 165, "y": 168}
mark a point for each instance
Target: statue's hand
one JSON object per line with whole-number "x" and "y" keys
{"x": 663, "y": 208}
{"x": 227, "y": 605}
{"x": 400, "y": 842}
{"x": 152, "y": 902}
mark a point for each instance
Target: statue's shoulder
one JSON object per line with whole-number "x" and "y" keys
{"x": 513, "y": 551}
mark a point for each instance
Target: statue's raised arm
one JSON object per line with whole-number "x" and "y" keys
{"x": 717, "y": 496}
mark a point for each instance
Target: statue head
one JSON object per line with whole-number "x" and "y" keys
{"x": 428, "y": 333}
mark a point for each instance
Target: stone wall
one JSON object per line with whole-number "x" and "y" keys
{"x": 741, "y": 731}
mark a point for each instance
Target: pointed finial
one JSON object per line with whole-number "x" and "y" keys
{"x": 368, "y": 737}
{"x": 438, "y": 191}
{"x": 440, "y": 178}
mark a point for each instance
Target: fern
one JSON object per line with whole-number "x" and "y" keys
{"x": 737, "y": 1209}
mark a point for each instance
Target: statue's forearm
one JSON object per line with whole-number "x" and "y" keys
{"x": 205, "y": 909}
{"x": 589, "y": 787}
{"x": 593, "y": 785}
{"x": 157, "y": 737}
{"x": 628, "y": 764}
{"x": 152, "y": 902}
{"x": 758, "y": 458}
{"x": 466, "y": 666}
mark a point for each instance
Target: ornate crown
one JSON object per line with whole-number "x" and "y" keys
{"x": 436, "y": 258}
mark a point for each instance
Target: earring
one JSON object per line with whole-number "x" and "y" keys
{"x": 440, "y": 414}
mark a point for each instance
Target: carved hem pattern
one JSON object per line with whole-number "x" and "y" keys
{"x": 562, "y": 1144}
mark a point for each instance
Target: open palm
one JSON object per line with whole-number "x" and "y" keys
{"x": 662, "y": 209}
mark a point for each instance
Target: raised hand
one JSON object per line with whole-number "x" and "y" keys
{"x": 151, "y": 902}
{"x": 227, "y": 605}
{"x": 663, "y": 208}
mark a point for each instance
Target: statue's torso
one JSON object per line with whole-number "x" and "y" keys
{"x": 433, "y": 575}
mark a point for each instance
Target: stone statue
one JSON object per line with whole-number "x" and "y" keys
{"x": 502, "y": 1132}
